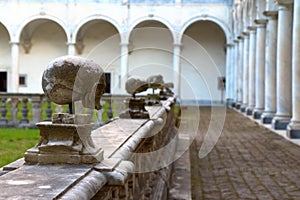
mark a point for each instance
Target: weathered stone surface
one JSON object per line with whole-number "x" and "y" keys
{"x": 155, "y": 81}
{"x": 136, "y": 84}
{"x": 69, "y": 78}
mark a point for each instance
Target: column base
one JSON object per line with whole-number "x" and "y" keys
{"x": 238, "y": 105}
{"x": 267, "y": 117}
{"x": 293, "y": 130}
{"x": 249, "y": 111}
{"x": 229, "y": 103}
{"x": 243, "y": 108}
{"x": 280, "y": 123}
{"x": 257, "y": 113}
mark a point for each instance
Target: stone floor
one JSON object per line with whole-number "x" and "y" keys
{"x": 248, "y": 162}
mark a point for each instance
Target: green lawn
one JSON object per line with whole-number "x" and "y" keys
{"x": 14, "y": 142}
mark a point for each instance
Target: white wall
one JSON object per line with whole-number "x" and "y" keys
{"x": 203, "y": 61}
{"x": 48, "y": 42}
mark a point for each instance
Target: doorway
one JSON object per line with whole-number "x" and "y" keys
{"x": 3, "y": 81}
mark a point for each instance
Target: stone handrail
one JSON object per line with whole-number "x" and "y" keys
{"x": 125, "y": 173}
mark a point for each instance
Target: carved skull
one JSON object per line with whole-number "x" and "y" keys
{"x": 70, "y": 78}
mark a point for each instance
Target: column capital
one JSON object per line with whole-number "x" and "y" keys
{"x": 251, "y": 28}
{"x": 240, "y": 38}
{"x": 284, "y": 2}
{"x": 124, "y": 44}
{"x": 177, "y": 44}
{"x": 246, "y": 34}
{"x": 261, "y": 22}
{"x": 14, "y": 43}
{"x": 271, "y": 13}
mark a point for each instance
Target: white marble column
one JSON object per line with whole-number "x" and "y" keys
{"x": 270, "y": 68}
{"x": 240, "y": 72}
{"x": 260, "y": 68}
{"x": 124, "y": 66}
{"x": 14, "y": 76}
{"x": 293, "y": 129}
{"x": 252, "y": 59}
{"x": 232, "y": 76}
{"x": 71, "y": 49}
{"x": 228, "y": 88}
{"x": 283, "y": 73}
{"x": 176, "y": 68}
{"x": 245, "y": 72}
{"x": 235, "y": 72}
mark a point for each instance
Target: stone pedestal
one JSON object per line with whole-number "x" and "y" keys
{"x": 136, "y": 109}
{"x": 280, "y": 122}
{"x": 68, "y": 141}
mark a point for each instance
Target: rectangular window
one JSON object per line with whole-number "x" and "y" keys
{"x": 23, "y": 80}
{"x": 107, "y": 81}
{"x": 3, "y": 81}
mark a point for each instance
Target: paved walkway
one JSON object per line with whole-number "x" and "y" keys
{"x": 248, "y": 162}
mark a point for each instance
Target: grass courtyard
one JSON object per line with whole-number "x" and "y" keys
{"x": 14, "y": 142}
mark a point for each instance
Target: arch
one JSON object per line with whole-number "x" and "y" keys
{"x": 37, "y": 17}
{"x": 149, "y": 18}
{"x": 91, "y": 18}
{"x": 217, "y": 21}
{"x": 7, "y": 29}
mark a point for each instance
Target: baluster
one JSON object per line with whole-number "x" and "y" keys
{"x": 100, "y": 114}
{"x": 36, "y": 110}
{"x": 24, "y": 119}
{"x": 48, "y": 111}
{"x": 3, "y": 110}
{"x": 109, "y": 111}
{"x": 14, "y": 111}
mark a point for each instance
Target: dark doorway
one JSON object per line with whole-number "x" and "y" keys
{"x": 3, "y": 81}
{"x": 107, "y": 80}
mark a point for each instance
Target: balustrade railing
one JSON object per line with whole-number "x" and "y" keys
{"x": 25, "y": 110}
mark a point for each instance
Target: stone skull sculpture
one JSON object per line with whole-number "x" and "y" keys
{"x": 71, "y": 78}
{"x": 136, "y": 84}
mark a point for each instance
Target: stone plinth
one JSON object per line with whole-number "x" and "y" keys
{"x": 64, "y": 143}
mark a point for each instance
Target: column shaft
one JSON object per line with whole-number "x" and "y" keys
{"x": 71, "y": 49}
{"x": 124, "y": 66}
{"x": 228, "y": 73}
{"x": 252, "y": 58}
{"x": 235, "y": 78}
{"x": 14, "y": 67}
{"x": 245, "y": 72}
{"x": 260, "y": 69}
{"x": 240, "y": 72}
{"x": 176, "y": 68}
{"x": 270, "y": 67}
{"x": 283, "y": 73}
{"x": 294, "y": 126}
